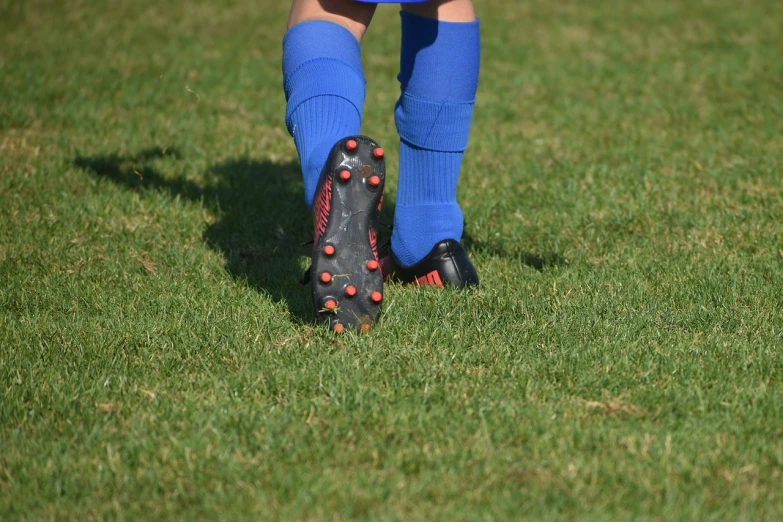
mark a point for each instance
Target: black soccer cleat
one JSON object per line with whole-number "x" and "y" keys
{"x": 345, "y": 274}
{"x": 447, "y": 264}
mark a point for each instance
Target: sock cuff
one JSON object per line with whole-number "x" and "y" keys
{"x": 321, "y": 59}
{"x": 433, "y": 50}
{"x": 317, "y": 39}
{"x": 431, "y": 125}
{"x": 333, "y": 79}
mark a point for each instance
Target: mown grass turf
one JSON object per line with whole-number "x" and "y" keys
{"x": 622, "y": 359}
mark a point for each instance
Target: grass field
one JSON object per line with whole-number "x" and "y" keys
{"x": 624, "y": 206}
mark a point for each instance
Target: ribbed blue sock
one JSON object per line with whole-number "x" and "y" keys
{"x": 439, "y": 68}
{"x": 324, "y": 89}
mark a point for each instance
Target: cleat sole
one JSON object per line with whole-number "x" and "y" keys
{"x": 346, "y": 217}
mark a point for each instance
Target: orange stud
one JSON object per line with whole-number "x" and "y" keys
{"x": 326, "y": 277}
{"x": 351, "y": 144}
{"x": 345, "y": 175}
{"x": 376, "y": 297}
{"x": 350, "y": 290}
{"x": 329, "y": 250}
{"x": 374, "y": 181}
{"x": 330, "y": 304}
{"x": 378, "y": 152}
{"x": 365, "y": 328}
{"x": 337, "y": 327}
{"x": 372, "y": 265}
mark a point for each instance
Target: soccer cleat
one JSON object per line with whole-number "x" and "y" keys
{"x": 447, "y": 264}
{"x": 346, "y": 282}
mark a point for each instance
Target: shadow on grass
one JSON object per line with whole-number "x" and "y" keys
{"x": 261, "y": 217}
{"x": 536, "y": 260}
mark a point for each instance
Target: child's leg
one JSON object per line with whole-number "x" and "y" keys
{"x": 323, "y": 78}
{"x": 439, "y": 66}
{"x": 343, "y": 172}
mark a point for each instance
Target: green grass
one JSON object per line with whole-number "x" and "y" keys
{"x": 622, "y": 360}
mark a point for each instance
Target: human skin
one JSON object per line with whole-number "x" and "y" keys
{"x": 356, "y": 16}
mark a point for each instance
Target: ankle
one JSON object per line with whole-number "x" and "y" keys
{"x": 417, "y": 228}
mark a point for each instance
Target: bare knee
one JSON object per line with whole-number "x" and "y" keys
{"x": 354, "y": 16}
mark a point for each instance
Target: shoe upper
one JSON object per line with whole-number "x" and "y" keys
{"x": 447, "y": 264}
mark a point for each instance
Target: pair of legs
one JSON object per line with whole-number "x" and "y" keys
{"x": 324, "y": 83}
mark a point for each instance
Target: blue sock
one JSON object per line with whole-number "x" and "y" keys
{"x": 439, "y": 67}
{"x": 324, "y": 89}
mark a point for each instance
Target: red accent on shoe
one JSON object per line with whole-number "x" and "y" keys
{"x": 372, "y": 265}
{"x": 338, "y": 328}
{"x": 329, "y": 250}
{"x": 321, "y": 208}
{"x": 380, "y": 203}
{"x": 374, "y": 181}
{"x": 345, "y": 175}
{"x": 350, "y": 290}
{"x": 351, "y": 144}
{"x": 378, "y": 153}
{"x": 325, "y": 277}
{"x": 431, "y": 279}
{"x": 376, "y": 297}
{"x": 365, "y": 328}
{"x": 447, "y": 264}
{"x": 373, "y": 244}
{"x": 330, "y": 304}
